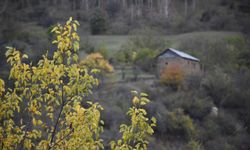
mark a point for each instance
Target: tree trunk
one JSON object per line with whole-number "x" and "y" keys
{"x": 150, "y": 3}
{"x": 166, "y": 10}
{"x": 86, "y": 4}
{"x": 123, "y": 72}
{"x": 78, "y": 4}
{"x": 186, "y": 7}
{"x": 158, "y": 6}
{"x": 124, "y": 4}
{"x": 193, "y": 5}
{"x": 135, "y": 72}
{"x": 73, "y": 7}
{"x": 138, "y": 7}
{"x": 99, "y": 3}
{"x": 132, "y": 12}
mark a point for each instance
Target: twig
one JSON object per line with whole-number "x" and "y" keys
{"x": 72, "y": 130}
{"x": 24, "y": 137}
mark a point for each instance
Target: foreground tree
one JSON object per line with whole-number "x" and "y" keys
{"x": 43, "y": 110}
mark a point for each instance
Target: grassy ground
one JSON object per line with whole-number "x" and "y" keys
{"x": 111, "y": 42}
{"x": 207, "y": 36}
{"x": 114, "y": 42}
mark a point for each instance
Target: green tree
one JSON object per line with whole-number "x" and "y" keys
{"x": 123, "y": 58}
{"x": 180, "y": 124}
{"x": 98, "y": 22}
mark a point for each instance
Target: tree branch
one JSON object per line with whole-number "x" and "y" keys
{"x": 57, "y": 121}
{"x": 72, "y": 130}
{"x": 25, "y": 135}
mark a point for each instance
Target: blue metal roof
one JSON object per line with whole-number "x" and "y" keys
{"x": 180, "y": 53}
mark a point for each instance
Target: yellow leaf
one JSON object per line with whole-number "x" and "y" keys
{"x": 75, "y": 27}
{"x": 25, "y": 56}
{"x": 34, "y": 121}
{"x": 39, "y": 122}
{"x": 135, "y": 100}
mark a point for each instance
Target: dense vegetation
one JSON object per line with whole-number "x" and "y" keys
{"x": 208, "y": 111}
{"x": 121, "y": 17}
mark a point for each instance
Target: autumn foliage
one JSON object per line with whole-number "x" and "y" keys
{"x": 172, "y": 76}
{"x": 97, "y": 61}
{"x": 44, "y": 108}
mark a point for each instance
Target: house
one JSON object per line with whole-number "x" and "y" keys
{"x": 187, "y": 63}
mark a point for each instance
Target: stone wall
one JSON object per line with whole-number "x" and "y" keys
{"x": 188, "y": 67}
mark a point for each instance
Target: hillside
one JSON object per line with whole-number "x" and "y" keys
{"x": 122, "y": 17}
{"x": 60, "y": 59}
{"x": 114, "y": 42}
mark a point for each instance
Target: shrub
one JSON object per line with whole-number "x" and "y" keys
{"x": 180, "y": 124}
{"x": 103, "y": 51}
{"x": 144, "y": 59}
{"x": 88, "y": 48}
{"x": 243, "y": 58}
{"x": 193, "y": 82}
{"x": 218, "y": 86}
{"x": 97, "y": 61}
{"x": 193, "y": 145}
{"x": 223, "y": 125}
{"x": 172, "y": 76}
{"x": 237, "y": 99}
{"x": 227, "y": 124}
{"x": 198, "y": 108}
{"x": 219, "y": 143}
{"x": 210, "y": 129}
